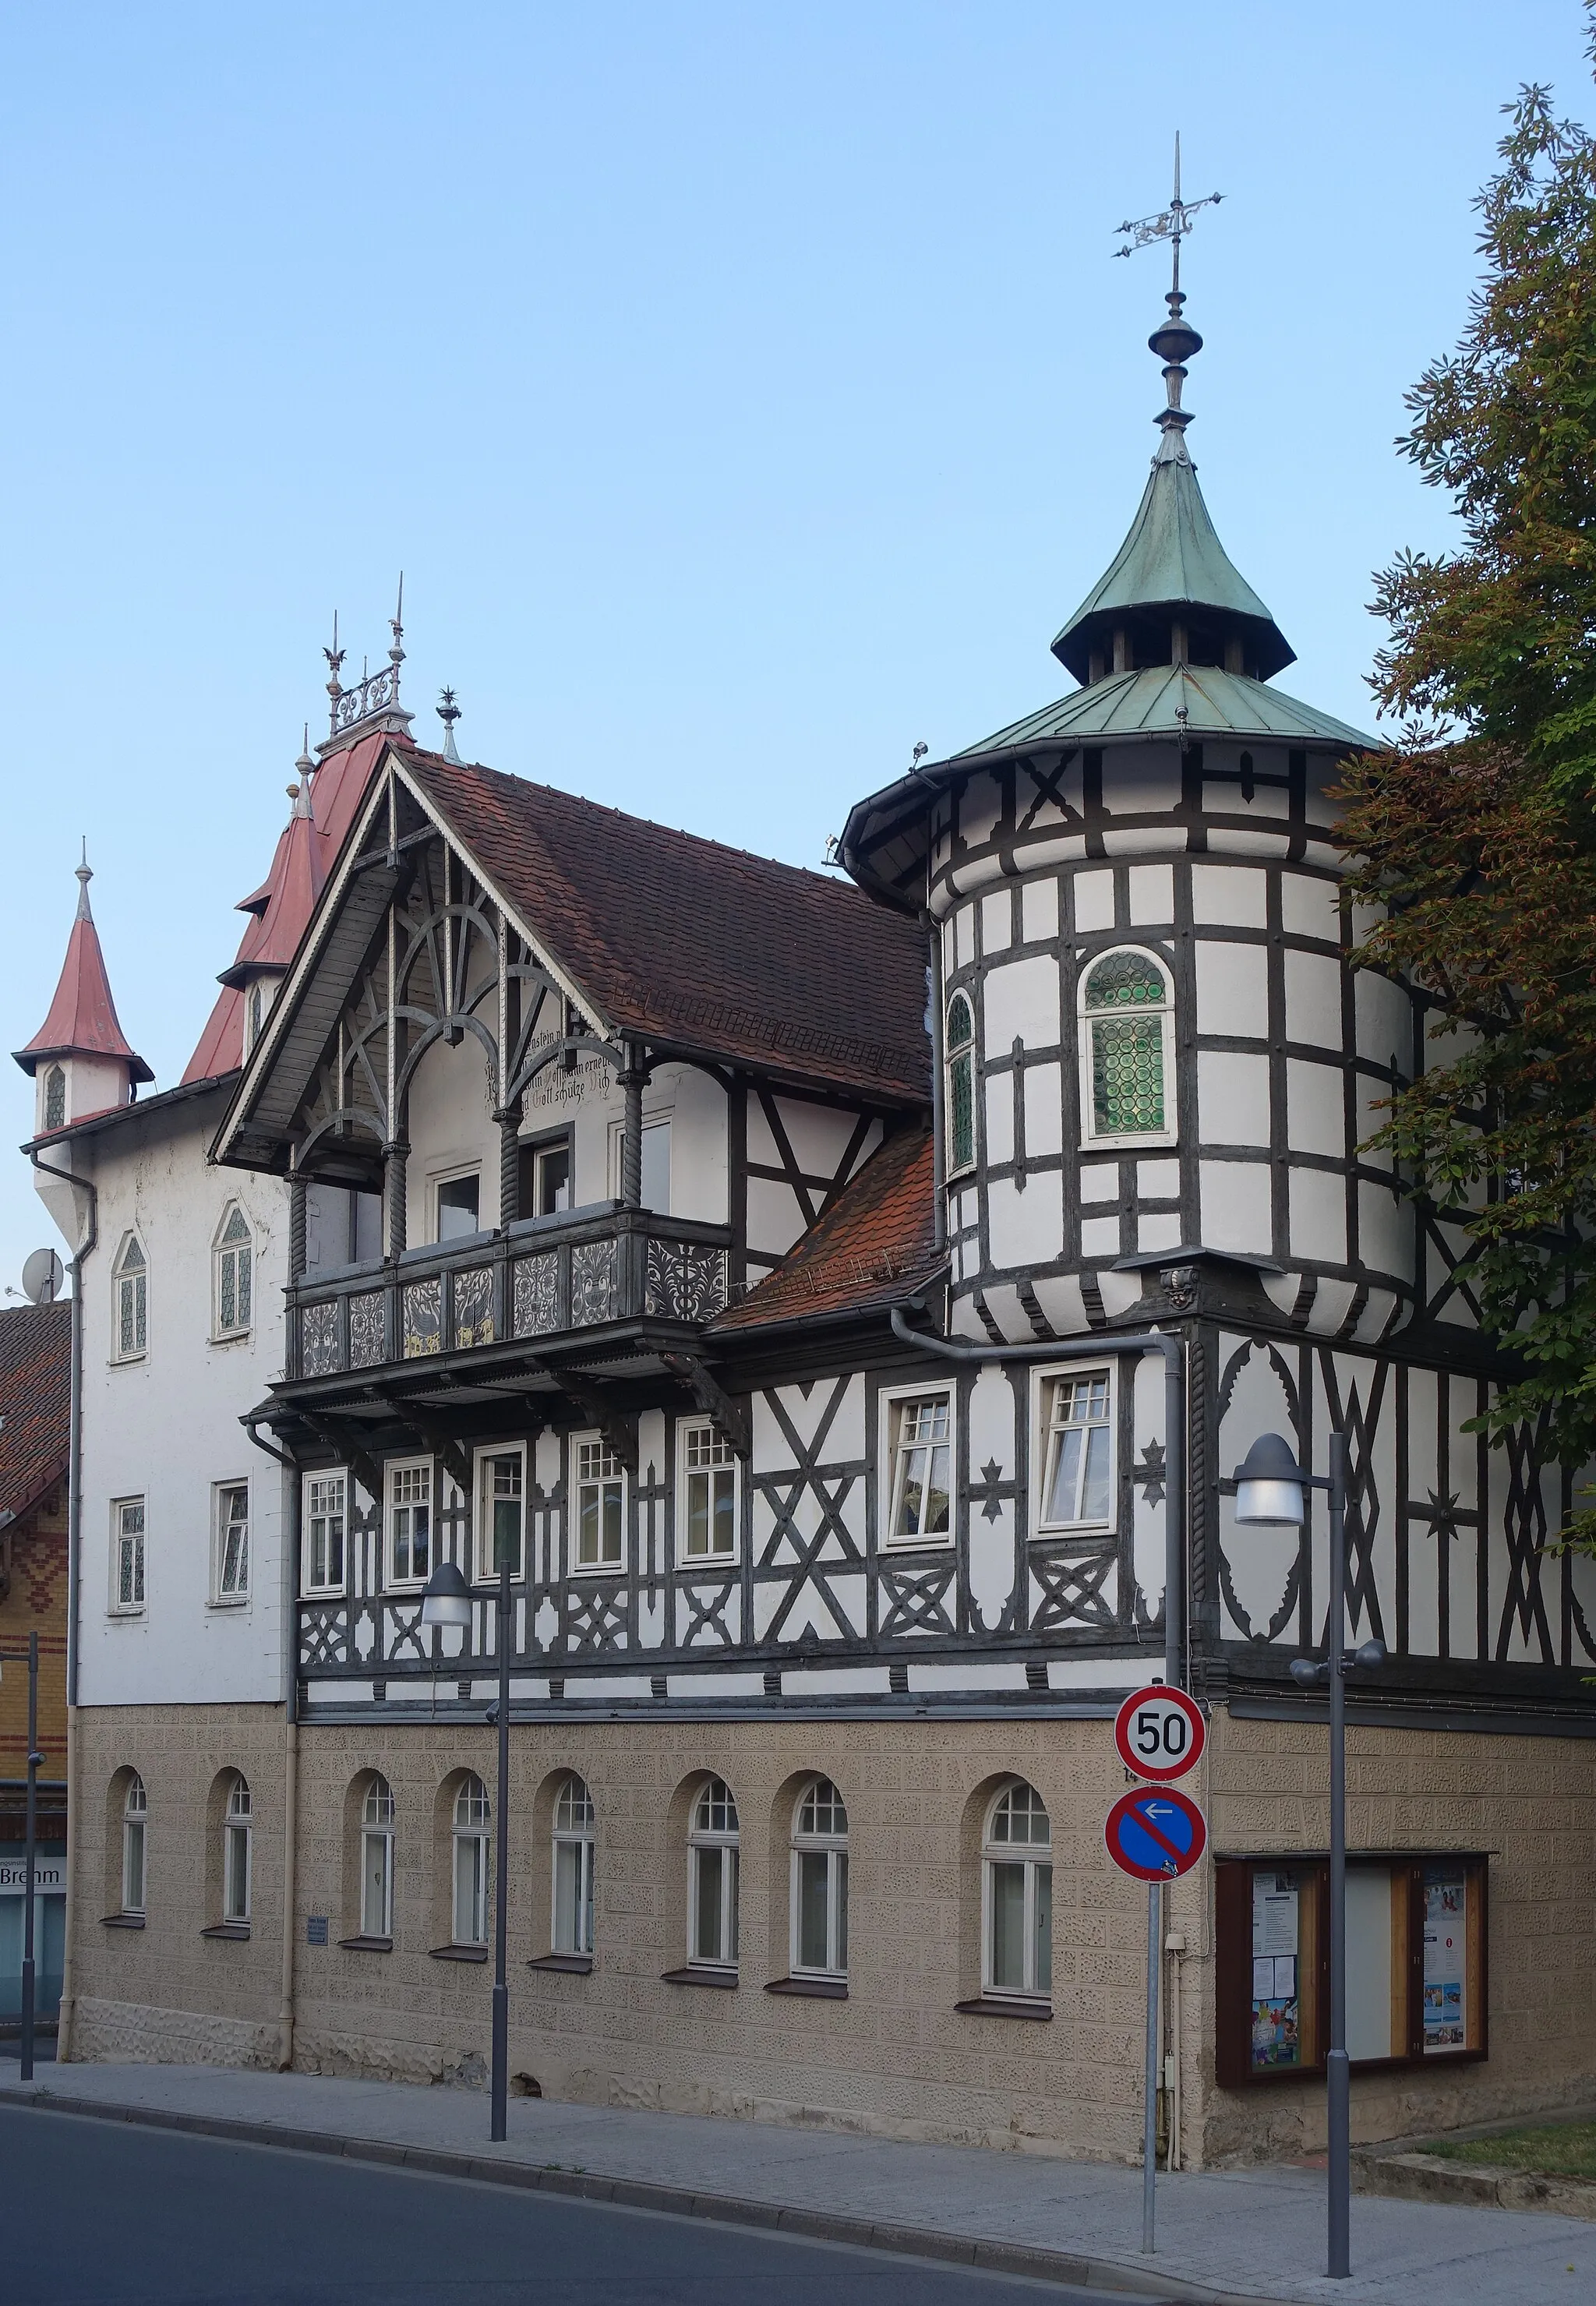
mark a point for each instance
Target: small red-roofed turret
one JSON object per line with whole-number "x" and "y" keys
{"x": 80, "y": 1060}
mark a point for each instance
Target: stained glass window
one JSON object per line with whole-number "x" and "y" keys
{"x": 132, "y": 1276}
{"x": 55, "y": 1098}
{"x": 962, "y": 1086}
{"x": 234, "y": 1260}
{"x": 1127, "y": 1045}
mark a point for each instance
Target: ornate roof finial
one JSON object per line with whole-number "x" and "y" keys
{"x": 396, "y": 655}
{"x": 299, "y": 793}
{"x": 1176, "y": 340}
{"x": 448, "y": 712}
{"x": 85, "y": 874}
{"x": 334, "y": 665}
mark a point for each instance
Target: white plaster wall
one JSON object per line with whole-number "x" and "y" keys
{"x": 166, "y": 1426}
{"x": 450, "y": 1128}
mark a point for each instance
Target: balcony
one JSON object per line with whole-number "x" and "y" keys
{"x": 541, "y": 1283}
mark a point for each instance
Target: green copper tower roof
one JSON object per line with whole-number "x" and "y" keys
{"x": 1171, "y": 593}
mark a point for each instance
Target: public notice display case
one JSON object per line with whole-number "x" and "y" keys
{"x": 1416, "y": 1979}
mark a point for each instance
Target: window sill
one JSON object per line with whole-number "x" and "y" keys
{"x": 122, "y": 1921}
{"x": 228, "y": 1601}
{"x": 578, "y": 1965}
{"x": 697, "y": 1974}
{"x": 598, "y": 1568}
{"x": 126, "y": 1616}
{"x": 367, "y": 1946}
{"x": 815, "y": 1989}
{"x": 324, "y": 1593}
{"x": 234, "y": 1932}
{"x": 998, "y": 2005}
{"x": 233, "y": 1338}
{"x": 938, "y": 1544}
{"x": 709, "y": 1565}
{"x": 458, "y": 1953}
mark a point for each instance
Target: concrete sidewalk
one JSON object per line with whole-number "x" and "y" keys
{"x": 1254, "y": 2235}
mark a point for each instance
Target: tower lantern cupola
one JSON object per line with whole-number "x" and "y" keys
{"x": 80, "y": 1060}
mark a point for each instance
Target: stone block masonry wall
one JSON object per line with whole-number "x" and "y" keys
{"x": 1531, "y": 1802}
{"x": 166, "y": 1992}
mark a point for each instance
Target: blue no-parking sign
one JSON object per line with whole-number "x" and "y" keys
{"x": 1155, "y": 1833}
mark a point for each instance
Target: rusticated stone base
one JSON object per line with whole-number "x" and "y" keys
{"x": 123, "y": 2033}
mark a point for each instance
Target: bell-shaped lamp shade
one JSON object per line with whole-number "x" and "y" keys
{"x": 1269, "y": 1492}
{"x": 447, "y": 1600}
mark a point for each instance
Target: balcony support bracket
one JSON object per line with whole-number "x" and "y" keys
{"x": 731, "y": 1416}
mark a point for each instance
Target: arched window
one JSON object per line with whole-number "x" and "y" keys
{"x": 712, "y": 1877}
{"x": 1017, "y": 1894}
{"x": 962, "y": 1086}
{"x": 820, "y": 1881}
{"x": 233, "y": 1254}
{"x": 131, "y": 1299}
{"x": 55, "y": 1108}
{"x": 254, "y": 1015}
{"x": 1127, "y": 1049}
{"x": 135, "y": 1812}
{"x": 573, "y": 1829}
{"x": 377, "y": 1859}
{"x": 237, "y": 1837}
{"x": 470, "y": 1927}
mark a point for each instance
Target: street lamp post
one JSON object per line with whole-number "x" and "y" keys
{"x": 447, "y": 1601}
{"x": 30, "y": 1871}
{"x": 1271, "y": 1493}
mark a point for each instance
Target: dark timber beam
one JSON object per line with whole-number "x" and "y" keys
{"x": 731, "y": 1417}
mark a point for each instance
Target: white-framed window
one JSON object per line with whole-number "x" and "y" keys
{"x": 546, "y": 1171}
{"x": 960, "y": 1059}
{"x": 1072, "y": 1420}
{"x": 575, "y": 1832}
{"x": 135, "y": 1819}
{"x": 230, "y": 1542}
{"x": 457, "y": 1204}
{"x": 713, "y": 1869}
{"x": 130, "y": 1301}
{"x": 325, "y": 1505}
{"x": 917, "y": 1473}
{"x": 410, "y": 1522}
{"x": 1017, "y": 1895}
{"x": 820, "y": 1881}
{"x": 1126, "y": 1001}
{"x": 237, "y": 1851}
{"x": 127, "y": 1554}
{"x": 471, "y": 1840}
{"x": 600, "y": 1503}
{"x": 55, "y": 1098}
{"x": 502, "y": 1511}
{"x": 707, "y": 1494}
{"x": 233, "y": 1260}
{"x": 656, "y": 1161}
{"x": 377, "y": 1859}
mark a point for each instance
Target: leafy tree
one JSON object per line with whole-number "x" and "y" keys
{"x": 1475, "y": 837}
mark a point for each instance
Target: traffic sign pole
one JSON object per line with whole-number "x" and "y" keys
{"x": 1150, "y": 2112}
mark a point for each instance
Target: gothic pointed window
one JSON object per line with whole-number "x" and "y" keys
{"x": 55, "y": 1101}
{"x": 130, "y": 1299}
{"x": 961, "y": 1085}
{"x": 1126, "y": 1050}
{"x": 235, "y": 1261}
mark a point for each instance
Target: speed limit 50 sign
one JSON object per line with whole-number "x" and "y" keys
{"x": 1160, "y": 1733}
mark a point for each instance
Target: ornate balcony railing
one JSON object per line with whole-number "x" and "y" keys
{"x": 538, "y": 1281}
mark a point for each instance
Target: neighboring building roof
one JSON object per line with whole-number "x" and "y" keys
{"x": 1150, "y": 703}
{"x": 115, "y": 1116}
{"x": 873, "y": 1248}
{"x": 280, "y": 908}
{"x": 83, "y": 1021}
{"x": 35, "y": 1401}
{"x": 684, "y": 942}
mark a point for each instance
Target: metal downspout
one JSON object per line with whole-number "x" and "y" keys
{"x": 74, "y": 1547}
{"x": 290, "y": 1587}
{"x": 1081, "y": 1349}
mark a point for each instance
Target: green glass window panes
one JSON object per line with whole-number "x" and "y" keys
{"x": 961, "y": 1094}
{"x": 1127, "y": 1045}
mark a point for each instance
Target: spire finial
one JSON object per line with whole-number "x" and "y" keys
{"x": 396, "y": 655}
{"x": 1176, "y": 340}
{"x": 448, "y": 712}
{"x": 85, "y": 874}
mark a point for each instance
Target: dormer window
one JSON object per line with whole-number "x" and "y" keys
{"x": 55, "y": 1098}
{"x": 1126, "y": 1050}
{"x": 961, "y": 1085}
{"x": 130, "y": 1299}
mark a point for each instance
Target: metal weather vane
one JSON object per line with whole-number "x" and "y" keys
{"x": 1171, "y": 224}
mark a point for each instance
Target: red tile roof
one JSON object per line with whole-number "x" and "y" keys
{"x": 687, "y": 943}
{"x": 34, "y": 1399}
{"x": 83, "y": 1021}
{"x": 872, "y": 1249}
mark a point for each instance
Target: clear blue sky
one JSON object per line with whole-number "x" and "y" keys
{"x": 746, "y": 393}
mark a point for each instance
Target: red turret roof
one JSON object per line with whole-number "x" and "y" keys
{"x": 83, "y": 1021}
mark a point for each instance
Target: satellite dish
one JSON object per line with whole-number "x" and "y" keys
{"x": 42, "y": 1276}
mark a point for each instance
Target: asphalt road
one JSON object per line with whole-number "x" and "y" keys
{"x": 100, "y": 2214}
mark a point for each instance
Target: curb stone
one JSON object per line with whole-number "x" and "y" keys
{"x": 990, "y": 2256}
{"x": 1478, "y": 2185}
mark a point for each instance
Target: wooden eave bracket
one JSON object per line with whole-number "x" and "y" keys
{"x": 618, "y": 1429}
{"x": 360, "y": 1462}
{"x": 731, "y": 1417}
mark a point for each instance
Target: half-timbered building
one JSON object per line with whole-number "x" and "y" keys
{"x": 843, "y": 1300}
